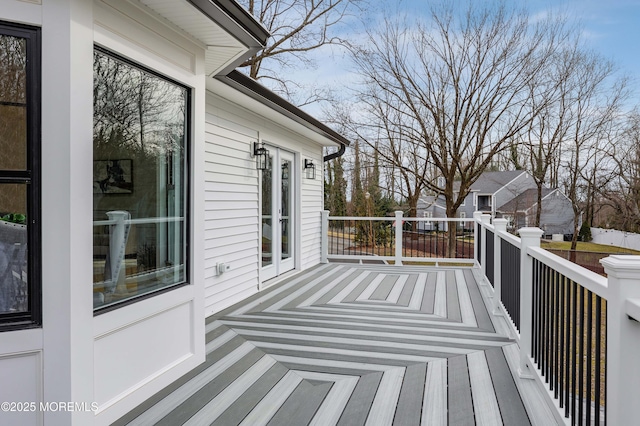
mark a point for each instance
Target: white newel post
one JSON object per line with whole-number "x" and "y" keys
{"x": 529, "y": 237}
{"x": 499, "y": 225}
{"x": 324, "y": 236}
{"x": 118, "y": 235}
{"x": 398, "y": 238}
{"x": 477, "y": 216}
{"x": 623, "y": 340}
{"x": 485, "y": 219}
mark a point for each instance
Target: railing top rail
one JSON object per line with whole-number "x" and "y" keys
{"x": 391, "y": 219}
{"x": 436, "y": 219}
{"x": 510, "y": 238}
{"x": 406, "y": 219}
{"x": 140, "y": 221}
{"x": 584, "y": 277}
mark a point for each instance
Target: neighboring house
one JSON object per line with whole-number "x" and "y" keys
{"x": 513, "y": 189}
{"x": 128, "y": 140}
{"x": 556, "y": 216}
{"x": 490, "y": 190}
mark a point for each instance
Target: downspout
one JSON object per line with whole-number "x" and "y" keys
{"x": 338, "y": 153}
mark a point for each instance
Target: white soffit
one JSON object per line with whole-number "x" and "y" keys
{"x": 221, "y": 47}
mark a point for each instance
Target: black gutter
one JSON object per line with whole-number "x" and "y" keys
{"x": 336, "y": 154}
{"x": 229, "y": 15}
{"x": 255, "y": 90}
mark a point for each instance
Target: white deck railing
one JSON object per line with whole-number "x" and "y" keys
{"x": 578, "y": 332}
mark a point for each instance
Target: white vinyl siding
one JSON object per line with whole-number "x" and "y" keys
{"x": 232, "y": 201}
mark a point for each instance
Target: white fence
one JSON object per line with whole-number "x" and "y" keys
{"x": 613, "y": 237}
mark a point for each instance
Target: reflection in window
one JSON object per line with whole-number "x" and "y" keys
{"x": 19, "y": 176}
{"x": 139, "y": 181}
{"x": 267, "y": 216}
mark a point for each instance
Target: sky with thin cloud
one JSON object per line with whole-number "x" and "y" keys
{"x": 609, "y": 27}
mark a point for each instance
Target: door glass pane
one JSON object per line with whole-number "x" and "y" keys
{"x": 14, "y": 294}
{"x": 13, "y": 103}
{"x": 267, "y": 217}
{"x": 286, "y": 209}
{"x": 139, "y": 181}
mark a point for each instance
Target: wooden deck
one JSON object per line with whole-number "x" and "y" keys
{"x": 352, "y": 345}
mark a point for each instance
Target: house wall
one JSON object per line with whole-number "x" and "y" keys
{"x": 232, "y": 183}
{"x": 557, "y": 215}
{"x": 114, "y": 361}
{"x": 512, "y": 189}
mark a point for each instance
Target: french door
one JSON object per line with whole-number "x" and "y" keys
{"x": 278, "y": 214}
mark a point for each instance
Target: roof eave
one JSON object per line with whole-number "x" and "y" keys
{"x": 258, "y": 92}
{"x": 235, "y": 19}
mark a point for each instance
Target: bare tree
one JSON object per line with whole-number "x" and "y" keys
{"x": 541, "y": 141}
{"x": 297, "y": 27}
{"x": 595, "y": 102}
{"x": 454, "y": 90}
{"x": 622, "y": 192}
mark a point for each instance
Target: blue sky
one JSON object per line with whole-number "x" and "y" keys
{"x": 610, "y": 27}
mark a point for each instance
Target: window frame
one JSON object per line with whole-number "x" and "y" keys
{"x": 187, "y": 180}
{"x": 31, "y": 177}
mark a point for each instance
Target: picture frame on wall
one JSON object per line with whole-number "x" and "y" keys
{"x": 113, "y": 176}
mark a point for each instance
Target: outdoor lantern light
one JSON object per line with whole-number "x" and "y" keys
{"x": 262, "y": 156}
{"x": 309, "y": 168}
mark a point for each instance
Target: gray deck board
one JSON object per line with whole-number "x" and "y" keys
{"x": 429, "y": 295}
{"x": 245, "y": 403}
{"x": 409, "y": 409}
{"x": 407, "y": 291}
{"x": 453, "y": 304}
{"x": 357, "y": 409}
{"x": 349, "y": 344}
{"x": 302, "y": 405}
{"x": 511, "y": 406}
{"x": 459, "y": 392}
{"x": 385, "y": 287}
{"x": 180, "y": 414}
{"x": 482, "y": 316}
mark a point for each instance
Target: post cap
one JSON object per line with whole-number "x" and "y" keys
{"x": 622, "y": 266}
{"x": 530, "y": 232}
{"x": 500, "y": 224}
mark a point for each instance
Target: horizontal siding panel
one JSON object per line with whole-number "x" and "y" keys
{"x": 226, "y": 147}
{"x": 230, "y": 254}
{"x": 231, "y": 197}
{"x": 217, "y": 169}
{"x": 216, "y": 304}
{"x": 233, "y": 222}
{"x": 218, "y": 242}
{"x": 222, "y": 233}
{"x": 237, "y": 259}
{"x": 216, "y": 134}
{"x": 226, "y": 179}
{"x": 237, "y": 272}
{"x": 229, "y": 288}
{"x": 210, "y": 215}
{"x": 240, "y": 205}
{"x": 225, "y": 188}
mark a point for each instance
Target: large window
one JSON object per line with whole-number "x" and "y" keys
{"x": 20, "y": 291}
{"x": 140, "y": 175}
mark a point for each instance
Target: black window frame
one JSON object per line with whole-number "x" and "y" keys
{"x": 31, "y": 177}
{"x": 188, "y": 182}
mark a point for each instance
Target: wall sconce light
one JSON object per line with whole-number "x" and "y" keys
{"x": 309, "y": 169}
{"x": 262, "y": 156}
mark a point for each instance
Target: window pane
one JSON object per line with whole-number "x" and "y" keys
{"x": 13, "y": 107}
{"x": 14, "y": 294}
{"x": 139, "y": 181}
